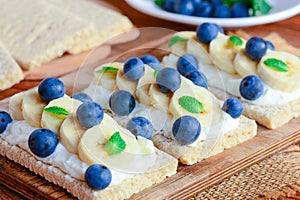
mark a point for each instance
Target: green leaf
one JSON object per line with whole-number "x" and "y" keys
{"x": 159, "y": 2}
{"x": 57, "y": 110}
{"x": 115, "y": 144}
{"x": 191, "y": 104}
{"x": 277, "y": 64}
{"x": 155, "y": 73}
{"x": 173, "y": 40}
{"x": 107, "y": 68}
{"x": 236, "y": 41}
{"x": 262, "y": 6}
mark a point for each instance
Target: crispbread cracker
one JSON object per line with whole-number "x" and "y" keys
{"x": 108, "y": 23}
{"x": 270, "y": 116}
{"x": 35, "y": 33}
{"x": 10, "y": 71}
{"x": 204, "y": 149}
{"x": 165, "y": 166}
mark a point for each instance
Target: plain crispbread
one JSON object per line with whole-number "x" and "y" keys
{"x": 204, "y": 149}
{"x": 11, "y": 72}
{"x": 165, "y": 166}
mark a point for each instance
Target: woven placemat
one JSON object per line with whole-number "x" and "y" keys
{"x": 277, "y": 177}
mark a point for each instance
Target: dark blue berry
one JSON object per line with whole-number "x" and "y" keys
{"x": 89, "y": 114}
{"x": 140, "y": 126}
{"x": 206, "y": 32}
{"x": 184, "y": 7}
{"x": 51, "y": 88}
{"x": 251, "y": 87}
{"x": 222, "y": 11}
{"x": 5, "y": 120}
{"x": 122, "y": 102}
{"x": 256, "y": 48}
{"x": 240, "y": 9}
{"x": 83, "y": 97}
{"x": 42, "y": 142}
{"x": 186, "y": 130}
{"x": 168, "y": 80}
{"x": 152, "y": 61}
{"x": 98, "y": 177}
{"x": 133, "y": 69}
{"x": 198, "y": 78}
{"x": 233, "y": 107}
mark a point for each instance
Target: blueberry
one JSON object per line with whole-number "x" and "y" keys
{"x": 251, "y": 87}
{"x": 215, "y": 3}
{"x": 240, "y": 9}
{"x": 97, "y": 176}
{"x": 256, "y": 48}
{"x": 222, "y": 11}
{"x": 168, "y": 5}
{"x": 122, "y": 102}
{"x": 168, "y": 80}
{"x": 83, "y": 97}
{"x": 186, "y": 130}
{"x": 152, "y": 61}
{"x": 186, "y": 64}
{"x": 42, "y": 142}
{"x": 140, "y": 126}
{"x": 233, "y": 107}
{"x": 270, "y": 45}
{"x": 204, "y": 9}
{"x": 89, "y": 114}
{"x": 133, "y": 69}
{"x": 206, "y": 32}
{"x": 197, "y": 2}
{"x": 51, "y": 88}
{"x": 198, "y": 78}
{"x": 184, "y": 7}
{"x": 5, "y": 119}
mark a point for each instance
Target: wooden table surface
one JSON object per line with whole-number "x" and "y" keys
{"x": 288, "y": 29}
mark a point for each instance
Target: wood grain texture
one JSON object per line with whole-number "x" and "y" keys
{"x": 189, "y": 179}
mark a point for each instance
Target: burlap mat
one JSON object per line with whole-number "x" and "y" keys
{"x": 277, "y": 177}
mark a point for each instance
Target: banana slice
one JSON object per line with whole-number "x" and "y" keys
{"x": 199, "y": 50}
{"x": 124, "y": 84}
{"x": 107, "y": 78}
{"x": 211, "y": 107}
{"x": 142, "y": 88}
{"x": 15, "y": 106}
{"x": 32, "y": 108}
{"x": 134, "y": 159}
{"x": 70, "y": 133}
{"x": 180, "y": 48}
{"x": 244, "y": 65}
{"x": 283, "y": 81}
{"x": 223, "y": 54}
{"x": 159, "y": 99}
{"x": 54, "y": 121}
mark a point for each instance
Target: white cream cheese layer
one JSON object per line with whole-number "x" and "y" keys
{"x": 161, "y": 121}
{"x": 231, "y": 83}
{"x": 18, "y": 133}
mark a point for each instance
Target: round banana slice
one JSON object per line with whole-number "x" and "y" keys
{"x": 199, "y": 50}
{"x": 180, "y": 48}
{"x": 223, "y": 54}
{"x": 124, "y": 84}
{"x": 106, "y": 74}
{"x": 244, "y": 65}
{"x": 159, "y": 99}
{"x": 15, "y": 106}
{"x": 137, "y": 157}
{"x": 142, "y": 88}
{"x": 70, "y": 133}
{"x": 53, "y": 121}
{"x": 32, "y": 108}
{"x": 211, "y": 107}
{"x": 274, "y": 74}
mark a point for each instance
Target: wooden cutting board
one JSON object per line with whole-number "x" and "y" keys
{"x": 189, "y": 179}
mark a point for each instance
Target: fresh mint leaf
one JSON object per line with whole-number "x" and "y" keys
{"x": 173, "y": 40}
{"x": 155, "y": 73}
{"x": 57, "y": 110}
{"x": 191, "y": 104}
{"x": 115, "y": 144}
{"x": 236, "y": 41}
{"x": 262, "y": 6}
{"x": 277, "y": 64}
{"x": 159, "y": 2}
{"x": 107, "y": 68}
